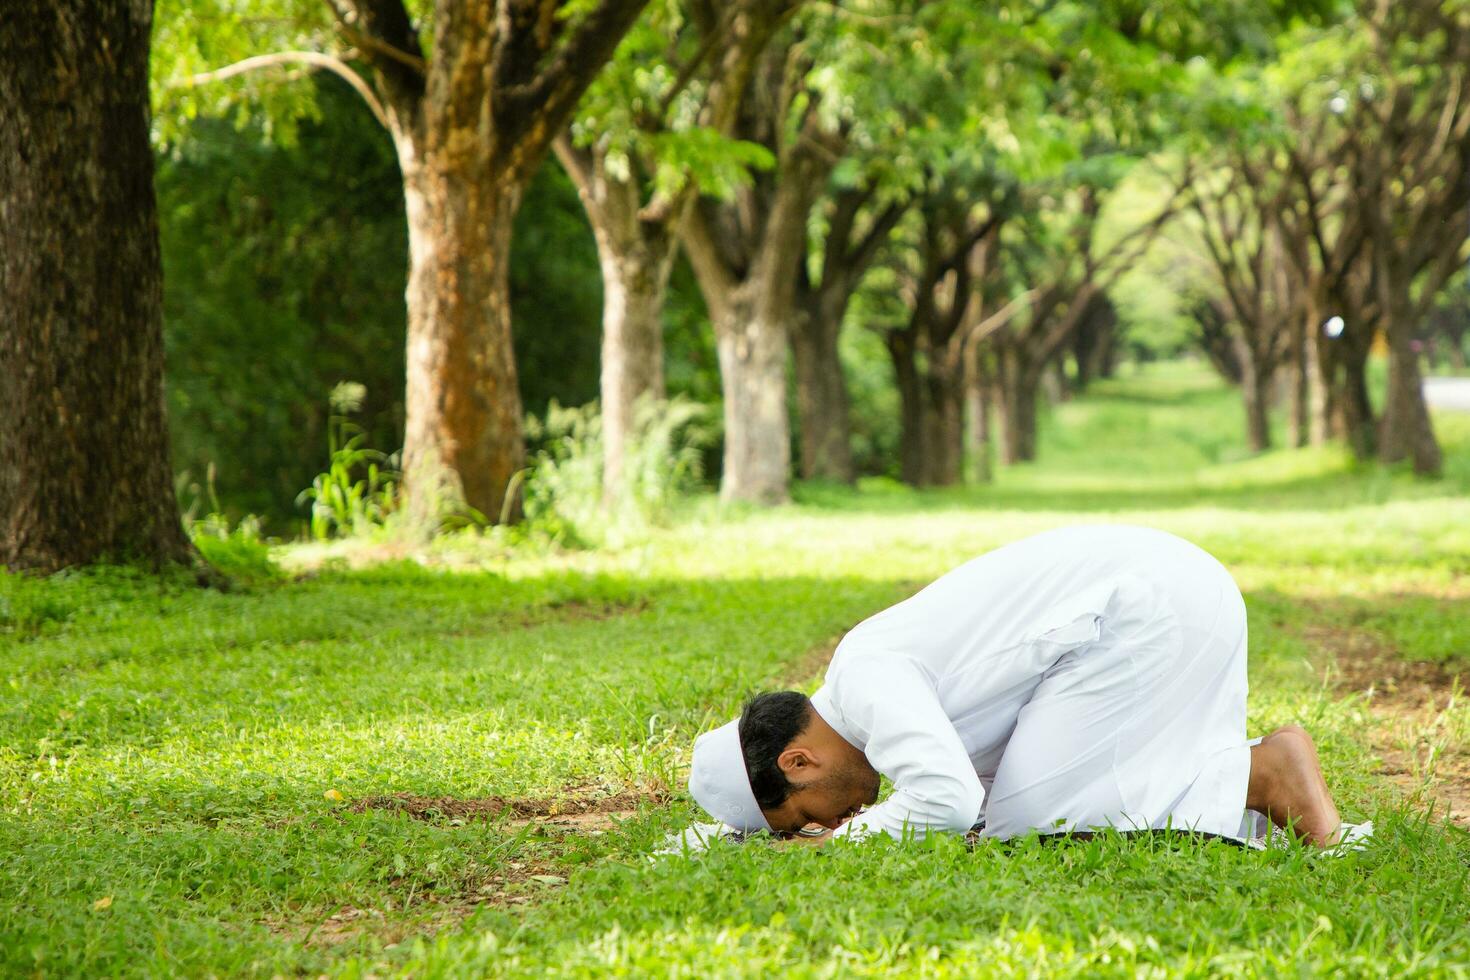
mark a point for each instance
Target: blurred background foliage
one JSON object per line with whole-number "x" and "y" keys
{"x": 285, "y": 252}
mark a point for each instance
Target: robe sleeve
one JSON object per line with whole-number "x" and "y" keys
{"x": 911, "y": 741}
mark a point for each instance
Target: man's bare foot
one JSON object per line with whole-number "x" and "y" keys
{"x": 1286, "y": 784}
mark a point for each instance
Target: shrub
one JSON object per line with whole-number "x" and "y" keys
{"x": 359, "y": 489}
{"x": 565, "y": 500}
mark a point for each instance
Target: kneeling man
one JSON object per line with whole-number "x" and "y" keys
{"x": 1080, "y": 679}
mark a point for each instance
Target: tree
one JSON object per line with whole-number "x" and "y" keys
{"x": 84, "y": 467}
{"x": 1242, "y": 239}
{"x": 471, "y": 117}
{"x": 957, "y": 235}
{"x": 1412, "y": 169}
{"x": 652, "y": 134}
{"x": 1377, "y": 143}
{"x": 746, "y": 254}
{"x": 1095, "y": 344}
{"x": 1062, "y": 253}
{"x": 857, "y": 222}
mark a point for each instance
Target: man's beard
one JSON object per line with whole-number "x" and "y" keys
{"x": 855, "y": 780}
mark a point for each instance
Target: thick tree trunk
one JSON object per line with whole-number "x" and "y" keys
{"x": 84, "y": 461}
{"x": 944, "y": 438}
{"x": 753, "y": 309}
{"x": 636, "y": 256}
{"x": 463, "y": 438}
{"x": 823, "y": 407}
{"x": 931, "y": 405}
{"x": 911, "y": 452}
{"x": 1406, "y": 432}
{"x": 471, "y": 127}
{"x": 634, "y": 285}
{"x": 752, "y": 352}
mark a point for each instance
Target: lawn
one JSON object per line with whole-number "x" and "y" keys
{"x": 460, "y": 768}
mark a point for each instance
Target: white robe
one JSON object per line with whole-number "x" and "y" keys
{"x": 1082, "y": 678}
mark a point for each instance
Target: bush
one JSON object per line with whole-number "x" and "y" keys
{"x": 239, "y": 553}
{"x": 358, "y": 491}
{"x": 564, "y": 493}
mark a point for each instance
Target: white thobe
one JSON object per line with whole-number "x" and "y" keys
{"x": 1082, "y": 678}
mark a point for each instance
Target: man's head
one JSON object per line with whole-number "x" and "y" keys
{"x": 801, "y": 770}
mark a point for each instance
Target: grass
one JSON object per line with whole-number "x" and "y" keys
{"x": 178, "y": 767}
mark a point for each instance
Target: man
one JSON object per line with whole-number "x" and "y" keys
{"x": 1083, "y": 678}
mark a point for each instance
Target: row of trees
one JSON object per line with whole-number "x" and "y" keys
{"x": 1339, "y": 217}
{"x": 962, "y": 177}
{"x": 788, "y": 148}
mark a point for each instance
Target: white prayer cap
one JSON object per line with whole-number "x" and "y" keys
{"x": 719, "y": 782}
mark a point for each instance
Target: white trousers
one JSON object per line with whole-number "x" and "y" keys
{"x": 1143, "y": 728}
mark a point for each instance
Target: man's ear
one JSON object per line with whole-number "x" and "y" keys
{"x": 795, "y": 759}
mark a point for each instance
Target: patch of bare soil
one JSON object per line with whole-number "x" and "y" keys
{"x": 583, "y": 609}
{"x": 1409, "y": 703}
{"x": 423, "y": 915}
{"x": 579, "y": 808}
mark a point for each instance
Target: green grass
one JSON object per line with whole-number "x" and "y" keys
{"x": 173, "y": 755}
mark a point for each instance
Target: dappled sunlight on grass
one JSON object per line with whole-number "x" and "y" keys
{"x": 181, "y": 753}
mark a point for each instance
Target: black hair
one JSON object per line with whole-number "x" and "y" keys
{"x": 768, "y": 724}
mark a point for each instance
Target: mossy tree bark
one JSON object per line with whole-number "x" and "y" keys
{"x": 84, "y": 459}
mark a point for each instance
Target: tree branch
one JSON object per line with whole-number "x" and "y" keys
{"x": 385, "y": 34}
{"x": 553, "y": 93}
{"x": 315, "y": 59}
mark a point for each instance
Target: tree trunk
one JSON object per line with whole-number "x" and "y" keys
{"x": 84, "y": 459}
{"x": 1406, "y": 432}
{"x": 911, "y": 449}
{"x": 752, "y": 352}
{"x": 1319, "y": 408}
{"x": 636, "y": 255}
{"x": 1061, "y": 385}
{"x": 634, "y": 284}
{"x": 471, "y": 125}
{"x": 1017, "y": 404}
{"x": 932, "y": 432}
{"x": 822, "y": 404}
{"x": 1094, "y": 344}
{"x": 463, "y": 440}
{"x": 944, "y": 439}
{"x": 1350, "y": 402}
{"x": 977, "y": 418}
{"x": 1255, "y": 387}
{"x": 1298, "y": 389}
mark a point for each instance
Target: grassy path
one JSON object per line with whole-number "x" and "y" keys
{"x": 196, "y": 783}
